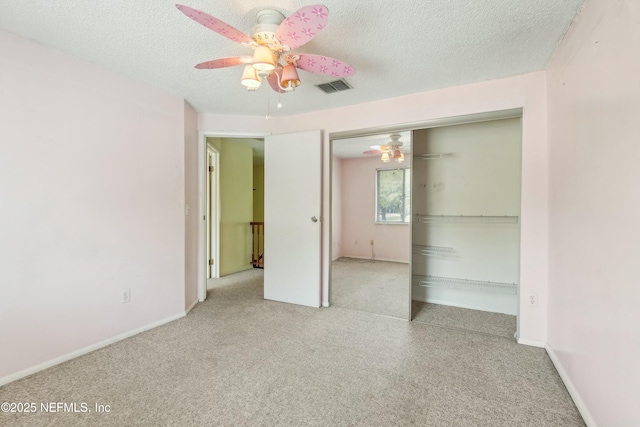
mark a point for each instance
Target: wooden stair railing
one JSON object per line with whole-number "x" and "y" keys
{"x": 257, "y": 237}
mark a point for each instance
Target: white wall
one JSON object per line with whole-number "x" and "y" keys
{"x": 92, "y": 193}
{"x": 594, "y": 297}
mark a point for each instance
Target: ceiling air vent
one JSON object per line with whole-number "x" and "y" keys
{"x": 335, "y": 86}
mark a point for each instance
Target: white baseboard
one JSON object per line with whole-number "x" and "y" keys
{"x": 193, "y": 304}
{"x": 85, "y": 350}
{"x": 577, "y": 399}
{"x": 532, "y": 343}
{"x": 325, "y": 304}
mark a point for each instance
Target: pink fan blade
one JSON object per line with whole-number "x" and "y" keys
{"x": 373, "y": 152}
{"x": 225, "y": 62}
{"x": 324, "y": 65}
{"x": 214, "y": 24}
{"x": 273, "y": 80}
{"x": 303, "y": 25}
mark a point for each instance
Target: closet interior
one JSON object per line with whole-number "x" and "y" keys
{"x": 450, "y": 259}
{"x": 465, "y": 233}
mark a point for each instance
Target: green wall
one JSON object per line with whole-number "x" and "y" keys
{"x": 236, "y": 205}
{"x": 258, "y": 193}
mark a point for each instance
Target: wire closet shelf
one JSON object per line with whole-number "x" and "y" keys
{"x": 430, "y": 250}
{"x": 460, "y": 219}
{"x": 429, "y": 281}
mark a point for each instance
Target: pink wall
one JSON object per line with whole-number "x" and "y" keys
{"x": 191, "y": 200}
{"x": 594, "y": 297}
{"x": 336, "y": 208}
{"x": 234, "y": 126}
{"x": 391, "y": 242}
{"x": 92, "y": 191}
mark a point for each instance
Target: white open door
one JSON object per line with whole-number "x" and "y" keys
{"x": 292, "y": 185}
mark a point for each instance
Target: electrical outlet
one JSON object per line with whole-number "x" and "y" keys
{"x": 125, "y": 296}
{"x": 532, "y": 300}
{"x": 187, "y": 210}
{"x": 371, "y": 242}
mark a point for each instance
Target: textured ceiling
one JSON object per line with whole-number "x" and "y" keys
{"x": 397, "y": 47}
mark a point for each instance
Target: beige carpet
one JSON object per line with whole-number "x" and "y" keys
{"x": 383, "y": 288}
{"x": 499, "y": 324}
{"x": 238, "y": 360}
{"x": 378, "y": 287}
{"x": 248, "y": 275}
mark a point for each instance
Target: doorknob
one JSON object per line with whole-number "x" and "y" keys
{"x": 314, "y": 218}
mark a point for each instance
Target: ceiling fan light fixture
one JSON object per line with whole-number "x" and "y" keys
{"x": 250, "y": 78}
{"x": 263, "y": 59}
{"x": 272, "y": 38}
{"x": 396, "y": 154}
{"x": 385, "y": 157}
{"x": 290, "y": 77}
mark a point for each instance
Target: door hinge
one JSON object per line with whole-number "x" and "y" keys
{"x": 211, "y": 262}
{"x": 210, "y": 168}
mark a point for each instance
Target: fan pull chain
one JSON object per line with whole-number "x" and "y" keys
{"x": 268, "y": 96}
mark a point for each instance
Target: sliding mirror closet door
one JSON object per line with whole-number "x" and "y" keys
{"x": 371, "y": 215}
{"x": 466, "y": 226}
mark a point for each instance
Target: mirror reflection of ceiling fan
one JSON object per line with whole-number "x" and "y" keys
{"x": 392, "y": 150}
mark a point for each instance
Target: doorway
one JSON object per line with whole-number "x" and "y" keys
{"x": 292, "y": 274}
{"x": 233, "y": 198}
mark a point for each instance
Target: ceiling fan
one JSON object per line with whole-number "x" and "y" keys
{"x": 392, "y": 150}
{"x": 272, "y": 39}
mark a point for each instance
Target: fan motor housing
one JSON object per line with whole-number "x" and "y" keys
{"x": 268, "y": 22}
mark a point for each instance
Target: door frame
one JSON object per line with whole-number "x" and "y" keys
{"x": 212, "y": 215}
{"x": 202, "y": 203}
